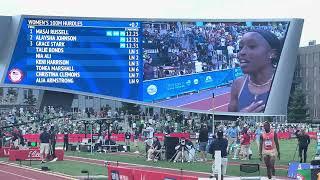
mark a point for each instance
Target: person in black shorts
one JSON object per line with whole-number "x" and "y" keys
{"x": 44, "y": 144}
{"x": 53, "y": 140}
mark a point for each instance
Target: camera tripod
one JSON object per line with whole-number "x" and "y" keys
{"x": 184, "y": 151}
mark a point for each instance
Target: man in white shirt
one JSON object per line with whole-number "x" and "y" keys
{"x": 149, "y": 132}
{"x": 230, "y": 49}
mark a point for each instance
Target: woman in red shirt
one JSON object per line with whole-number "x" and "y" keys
{"x": 245, "y": 144}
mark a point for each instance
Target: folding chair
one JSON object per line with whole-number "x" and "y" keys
{"x": 249, "y": 169}
{"x": 159, "y": 154}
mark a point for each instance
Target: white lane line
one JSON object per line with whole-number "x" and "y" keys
{"x": 14, "y": 174}
{"x": 218, "y": 106}
{"x": 203, "y": 99}
{"x": 57, "y": 174}
{"x": 139, "y": 165}
{"x": 86, "y": 162}
{"x": 203, "y": 91}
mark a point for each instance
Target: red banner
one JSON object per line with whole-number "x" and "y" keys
{"x": 179, "y": 135}
{"x": 75, "y": 138}
{"x": 284, "y": 135}
{"x": 4, "y": 151}
{"x": 288, "y": 135}
{"x": 313, "y": 135}
{"x": 158, "y": 175}
{"x": 131, "y": 173}
{"x": 31, "y": 154}
{"x": 117, "y": 172}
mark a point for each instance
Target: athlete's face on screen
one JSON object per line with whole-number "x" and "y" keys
{"x": 266, "y": 127}
{"x": 254, "y": 53}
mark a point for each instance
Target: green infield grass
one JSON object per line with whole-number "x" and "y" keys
{"x": 73, "y": 168}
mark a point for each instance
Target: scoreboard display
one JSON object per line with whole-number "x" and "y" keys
{"x": 173, "y": 63}
{"x": 102, "y": 57}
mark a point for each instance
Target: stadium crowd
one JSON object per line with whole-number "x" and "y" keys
{"x": 31, "y": 121}
{"x": 172, "y": 49}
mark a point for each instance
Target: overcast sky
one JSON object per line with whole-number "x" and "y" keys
{"x": 194, "y": 9}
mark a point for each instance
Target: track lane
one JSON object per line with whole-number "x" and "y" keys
{"x": 13, "y": 171}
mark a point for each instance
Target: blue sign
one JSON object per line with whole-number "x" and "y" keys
{"x": 169, "y": 87}
{"x": 294, "y": 166}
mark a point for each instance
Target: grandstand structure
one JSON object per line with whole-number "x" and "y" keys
{"x": 308, "y": 71}
{"x": 196, "y": 55}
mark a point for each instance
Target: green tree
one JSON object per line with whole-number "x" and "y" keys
{"x": 297, "y": 108}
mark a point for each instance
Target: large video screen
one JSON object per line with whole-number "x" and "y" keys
{"x": 170, "y": 63}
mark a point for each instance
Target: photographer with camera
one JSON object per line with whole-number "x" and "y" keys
{"x": 182, "y": 150}
{"x": 153, "y": 151}
{"x": 191, "y": 150}
{"x": 303, "y": 142}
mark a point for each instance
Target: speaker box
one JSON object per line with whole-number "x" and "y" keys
{"x": 315, "y": 162}
{"x": 170, "y": 143}
{"x": 73, "y": 147}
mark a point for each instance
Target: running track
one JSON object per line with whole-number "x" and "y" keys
{"x": 15, "y": 172}
{"x": 102, "y": 163}
{"x": 168, "y": 170}
{"x": 202, "y": 100}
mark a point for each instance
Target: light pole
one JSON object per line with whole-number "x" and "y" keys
{"x": 213, "y": 113}
{"x": 91, "y": 137}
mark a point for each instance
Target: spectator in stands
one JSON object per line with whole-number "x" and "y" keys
{"x": 44, "y": 144}
{"x": 304, "y": 141}
{"x": 148, "y": 69}
{"x": 259, "y": 54}
{"x": 1, "y": 138}
{"x": 16, "y": 138}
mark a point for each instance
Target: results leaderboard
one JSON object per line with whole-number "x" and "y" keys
{"x": 98, "y": 56}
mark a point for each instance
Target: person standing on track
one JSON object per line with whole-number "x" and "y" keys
{"x": 304, "y": 141}
{"x": 232, "y": 134}
{"x": 44, "y": 144}
{"x": 53, "y": 140}
{"x": 65, "y": 140}
{"x": 203, "y": 142}
{"x": 269, "y": 149}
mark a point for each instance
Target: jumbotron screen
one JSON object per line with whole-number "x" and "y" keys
{"x": 170, "y": 63}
